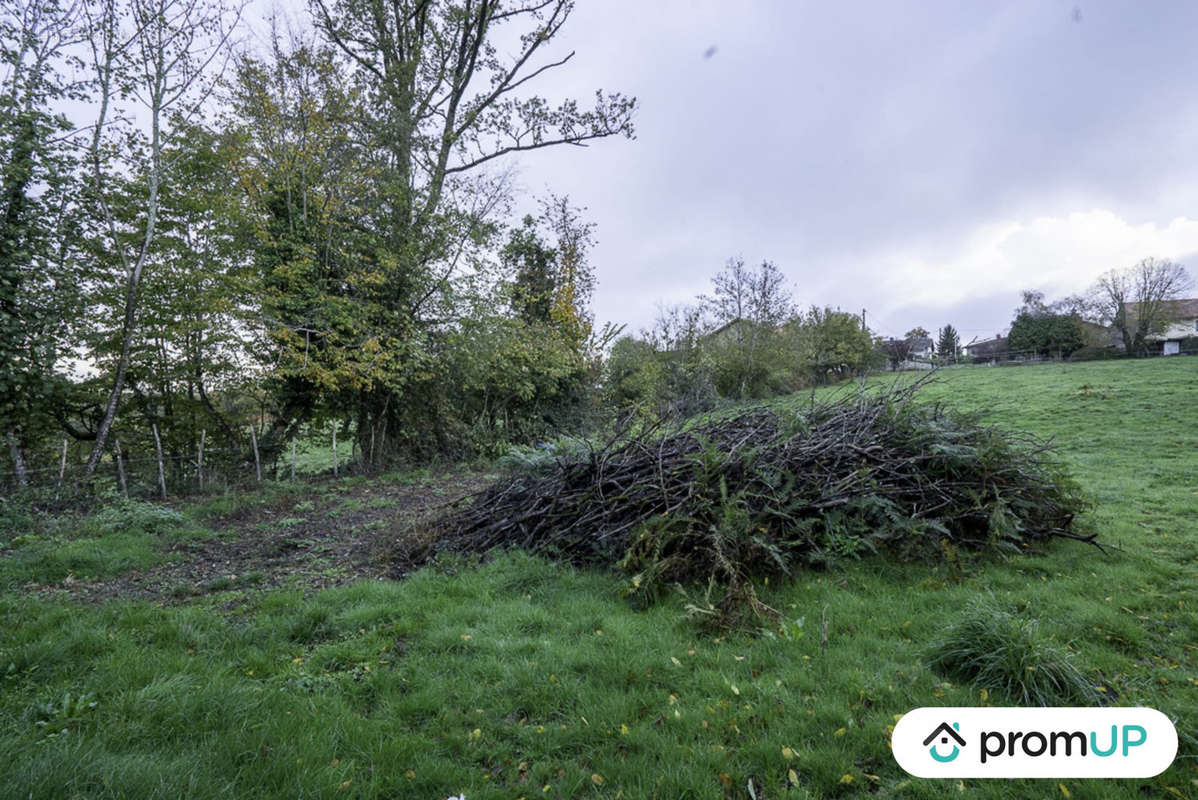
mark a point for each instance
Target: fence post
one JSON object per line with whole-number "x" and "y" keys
{"x": 334, "y": 449}
{"x": 120, "y": 469}
{"x": 158, "y": 449}
{"x": 200, "y": 460}
{"x": 62, "y": 469}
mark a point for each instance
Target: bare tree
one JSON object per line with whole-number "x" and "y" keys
{"x": 1135, "y": 300}
{"x": 754, "y": 301}
{"x": 164, "y": 54}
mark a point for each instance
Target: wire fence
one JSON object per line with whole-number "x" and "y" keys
{"x": 148, "y": 469}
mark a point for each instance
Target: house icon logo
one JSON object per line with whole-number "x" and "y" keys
{"x": 944, "y": 732}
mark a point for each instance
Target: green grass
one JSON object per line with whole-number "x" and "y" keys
{"x": 523, "y": 678}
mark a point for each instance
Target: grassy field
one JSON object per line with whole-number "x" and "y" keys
{"x": 520, "y": 678}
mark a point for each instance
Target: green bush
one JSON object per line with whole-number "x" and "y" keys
{"x": 1001, "y": 651}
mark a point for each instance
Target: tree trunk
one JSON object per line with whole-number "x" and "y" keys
{"x": 18, "y": 460}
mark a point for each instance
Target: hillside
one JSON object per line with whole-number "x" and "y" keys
{"x": 523, "y": 678}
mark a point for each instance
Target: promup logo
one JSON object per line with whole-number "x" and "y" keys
{"x": 1034, "y": 742}
{"x": 945, "y": 732}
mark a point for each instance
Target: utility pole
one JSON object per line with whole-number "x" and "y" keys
{"x": 863, "y": 320}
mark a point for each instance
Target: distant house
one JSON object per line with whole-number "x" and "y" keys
{"x": 735, "y": 330}
{"x": 982, "y": 350}
{"x": 922, "y": 347}
{"x": 1181, "y": 322}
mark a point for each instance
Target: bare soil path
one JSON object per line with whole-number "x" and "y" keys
{"x": 336, "y": 533}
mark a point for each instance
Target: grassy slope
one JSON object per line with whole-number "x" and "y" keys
{"x": 521, "y": 678}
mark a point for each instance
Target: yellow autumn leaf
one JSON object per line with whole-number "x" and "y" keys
{"x": 735, "y": 691}
{"x": 596, "y": 779}
{"x": 623, "y": 729}
{"x": 846, "y": 779}
{"x": 792, "y": 777}
{"x": 677, "y": 663}
{"x": 474, "y": 734}
{"x": 985, "y": 695}
{"x": 410, "y": 774}
{"x": 466, "y": 637}
{"x": 788, "y": 754}
{"x": 344, "y": 786}
{"x": 840, "y": 732}
{"x": 1064, "y": 791}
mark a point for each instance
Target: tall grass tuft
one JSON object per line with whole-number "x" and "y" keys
{"x": 1001, "y": 651}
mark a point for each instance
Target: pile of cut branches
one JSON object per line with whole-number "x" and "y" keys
{"x": 766, "y": 490}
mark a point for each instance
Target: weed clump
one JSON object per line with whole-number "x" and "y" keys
{"x": 766, "y": 491}
{"x": 135, "y": 516}
{"x": 998, "y": 650}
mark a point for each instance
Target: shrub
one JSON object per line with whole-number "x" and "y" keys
{"x": 998, "y": 650}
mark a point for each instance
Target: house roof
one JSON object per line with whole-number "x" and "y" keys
{"x": 1182, "y": 308}
{"x": 985, "y": 342}
{"x": 726, "y": 326}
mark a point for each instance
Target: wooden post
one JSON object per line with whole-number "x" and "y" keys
{"x": 257, "y": 460}
{"x": 120, "y": 469}
{"x": 161, "y": 471}
{"x": 62, "y": 469}
{"x": 334, "y": 449}
{"x": 293, "y": 458}
{"x": 200, "y": 459}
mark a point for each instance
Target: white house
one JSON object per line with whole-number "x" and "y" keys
{"x": 1180, "y": 321}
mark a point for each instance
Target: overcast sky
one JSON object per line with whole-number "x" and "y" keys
{"x": 924, "y": 160}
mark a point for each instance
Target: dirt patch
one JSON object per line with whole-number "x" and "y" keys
{"x": 338, "y": 533}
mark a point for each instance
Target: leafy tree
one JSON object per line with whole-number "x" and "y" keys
{"x": 948, "y": 343}
{"x": 302, "y": 173}
{"x": 830, "y": 344}
{"x": 1045, "y": 334}
{"x": 159, "y": 53}
{"x": 440, "y": 101}
{"x": 633, "y": 376}
{"x": 38, "y": 215}
{"x": 1135, "y": 300}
